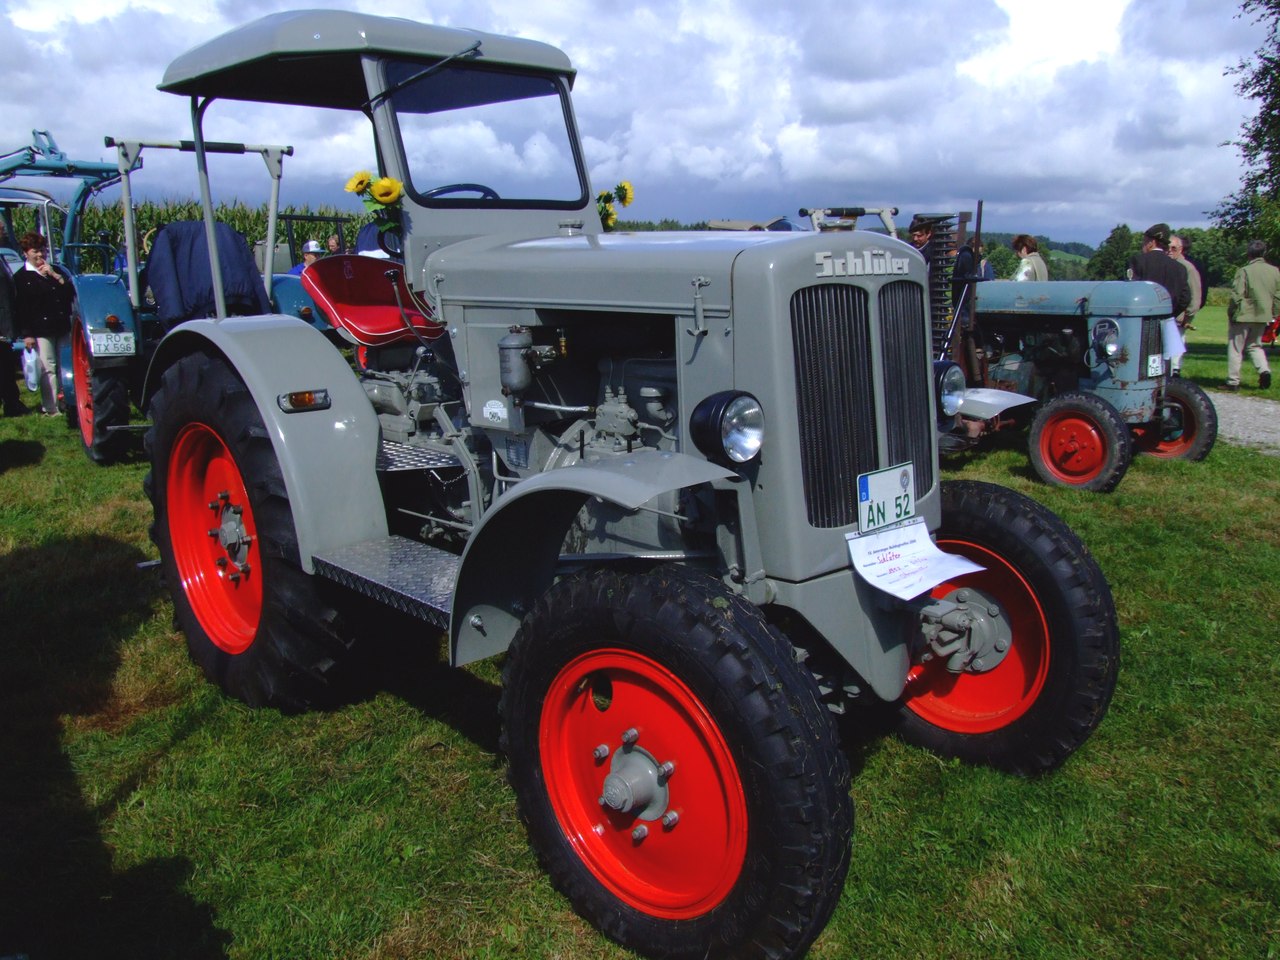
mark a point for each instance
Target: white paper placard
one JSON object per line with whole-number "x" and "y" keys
{"x": 903, "y": 560}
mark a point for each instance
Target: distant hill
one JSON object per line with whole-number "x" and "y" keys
{"x": 1082, "y": 250}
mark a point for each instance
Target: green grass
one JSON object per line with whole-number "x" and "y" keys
{"x": 142, "y": 814}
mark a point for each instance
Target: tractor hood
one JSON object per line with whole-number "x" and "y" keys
{"x": 648, "y": 272}
{"x": 1096, "y": 298}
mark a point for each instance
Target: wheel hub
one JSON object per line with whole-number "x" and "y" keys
{"x": 637, "y": 782}
{"x": 231, "y": 536}
{"x": 968, "y": 629}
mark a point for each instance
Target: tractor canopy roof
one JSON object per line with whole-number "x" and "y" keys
{"x": 314, "y": 57}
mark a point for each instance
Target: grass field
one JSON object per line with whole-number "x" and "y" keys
{"x": 144, "y": 815}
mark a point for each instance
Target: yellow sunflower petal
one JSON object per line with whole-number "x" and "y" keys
{"x": 359, "y": 181}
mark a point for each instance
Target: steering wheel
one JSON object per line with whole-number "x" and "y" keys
{"x": 486, "y": 193}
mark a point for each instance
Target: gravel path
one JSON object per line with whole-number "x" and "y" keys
{"x": 1250, "y": 421}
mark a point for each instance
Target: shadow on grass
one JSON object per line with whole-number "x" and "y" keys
{"x": 69, "y": 605}
{"x": 20, "y": 453}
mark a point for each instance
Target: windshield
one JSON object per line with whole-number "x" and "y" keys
{"x": 486, "y": 137}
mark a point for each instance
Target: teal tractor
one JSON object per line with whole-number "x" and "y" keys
{"x": 98, "y": 355}
{"x": 1095, "y": 355}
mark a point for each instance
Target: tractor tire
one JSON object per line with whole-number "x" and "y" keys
{"x": 1080, "y": 440}
{"x": 255, "y": 622}
{"x": 1187, "y": 426}
{"x": 745, "y": 853}
{"x": 101, "y": 402}
{"x": 1052, "y": 688}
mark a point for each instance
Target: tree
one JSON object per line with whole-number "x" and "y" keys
{"x": 1111, "y": 262}
{"x": 1003, "y": 261}
{"x": 1254, "y": 209}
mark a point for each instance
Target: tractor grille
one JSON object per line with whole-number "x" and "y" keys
{"x": 835, "y": 393}
{"x": 1152, "y": 342}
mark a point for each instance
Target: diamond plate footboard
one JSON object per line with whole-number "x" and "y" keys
{"x": 409, "y": 576}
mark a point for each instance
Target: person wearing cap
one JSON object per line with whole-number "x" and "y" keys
{"x": 1155, "y": 264}
{"x": 1255, "y": 296}
{"x": 311, "y": 252}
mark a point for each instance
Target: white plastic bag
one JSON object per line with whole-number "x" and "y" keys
{"x": 31, "y": 368}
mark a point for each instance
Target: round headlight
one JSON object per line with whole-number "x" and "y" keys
{"x": 951, "y": 388}
{"x": 742, "y": 428}
{"x": 728, "y": 427}
{"x": 1106, "y": 337}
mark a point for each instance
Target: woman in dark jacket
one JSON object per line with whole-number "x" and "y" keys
{"x": 42, "y": 301}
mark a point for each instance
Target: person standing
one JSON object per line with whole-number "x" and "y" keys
{"x": 42, "y": 297}
{"x": 1252, "y": 305}
{"x": 13, "y": 405}
{"x": 1032, "y": 266}
{"x": 1155, "y": 264}
{"x": 1177, "y": 252}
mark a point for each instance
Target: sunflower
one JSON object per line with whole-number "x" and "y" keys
{"x": 625, "y": 193}
{"x": 359, "y": 182}
{"x": 386, "y": 190}
{"x": 608, "y": 216}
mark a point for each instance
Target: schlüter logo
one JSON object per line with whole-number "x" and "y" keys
{"x": 871, "y": 263}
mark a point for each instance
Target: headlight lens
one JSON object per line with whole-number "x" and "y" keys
{"x": 951, "y": 388}
{"x": 1106, "y": 338}
{"x": 742, "y": 428}
{"x": 728, "y": 427}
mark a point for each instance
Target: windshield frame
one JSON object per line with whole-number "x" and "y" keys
{"x": 416, "y": 191}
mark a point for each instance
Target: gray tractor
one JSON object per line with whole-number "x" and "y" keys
{"x": 686, "y": 483}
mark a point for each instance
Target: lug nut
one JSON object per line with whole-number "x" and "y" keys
{"x": 666, "y": 770}
{"x": 670, "y": 819}
{"x": 639, "y": 833}
{"x": 630, "y": 736}
{"x": 600, "y": 752}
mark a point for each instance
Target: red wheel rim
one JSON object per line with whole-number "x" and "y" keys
{"x": 984, "y": 702}
{"x": 84, "y": 386}
{"x": 1175, "y": 443}
{"x": 214, "y": 538}
{"x": 679, "y": 872}
{"x": 1073, "y": 447}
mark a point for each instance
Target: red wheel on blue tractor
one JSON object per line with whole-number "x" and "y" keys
{"x": 1186, "y": 425}
{"x": 101, "y": 404}
{"x": 255, "y": 622}
{"x": 1045, "y": 635}
{"x": 1079, "y": 440}
{"x": 675, "y": 767}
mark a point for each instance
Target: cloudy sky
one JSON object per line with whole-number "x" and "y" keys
{"x": 1064, "y": 118}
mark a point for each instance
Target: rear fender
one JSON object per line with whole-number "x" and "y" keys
{"x": 512, "y": 555}
{"x": 328, "y": 457}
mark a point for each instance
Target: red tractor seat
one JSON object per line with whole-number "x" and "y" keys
{"x": 356, "y": 295}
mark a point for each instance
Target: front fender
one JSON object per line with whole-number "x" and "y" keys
{"x": 328, "y": 457}
{"x": 512, "y": 556}
{"x": 985, "y": 403}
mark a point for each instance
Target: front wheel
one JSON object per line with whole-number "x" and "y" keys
{"x": 1047, "y": 609}
{"x": 101, "y": 405}
{"x": 1186, "y": 425}
{"x": 254, "y": 621}
{"x": 1079, "y": 440}
{"x": 678, "y": 774}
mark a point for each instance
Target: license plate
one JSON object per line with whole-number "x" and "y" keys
{"x": 111, "y": 344}
{"x": 886, "y": 497}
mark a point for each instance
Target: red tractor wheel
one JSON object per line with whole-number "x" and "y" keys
{"x": 255, "y": 622}
{"x": 101, "y": 404}
{"x": 1186, "y": 427}
{"x": 677, "y": 771}
{"x": 1079, "y": 440}
{"x": 1047, "y": 624}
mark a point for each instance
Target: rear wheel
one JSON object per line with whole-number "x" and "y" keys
{"x": 254, "y": 620}
{"x": 1054, "y": 643}
{"x": 101, "y": 403}
{"x": 1079, "y": 440}
{"x": 678, "y": 774}
{"x": 1186, "y": 427}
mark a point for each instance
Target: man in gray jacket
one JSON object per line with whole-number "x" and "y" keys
{"x": 1253, "y": 304}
